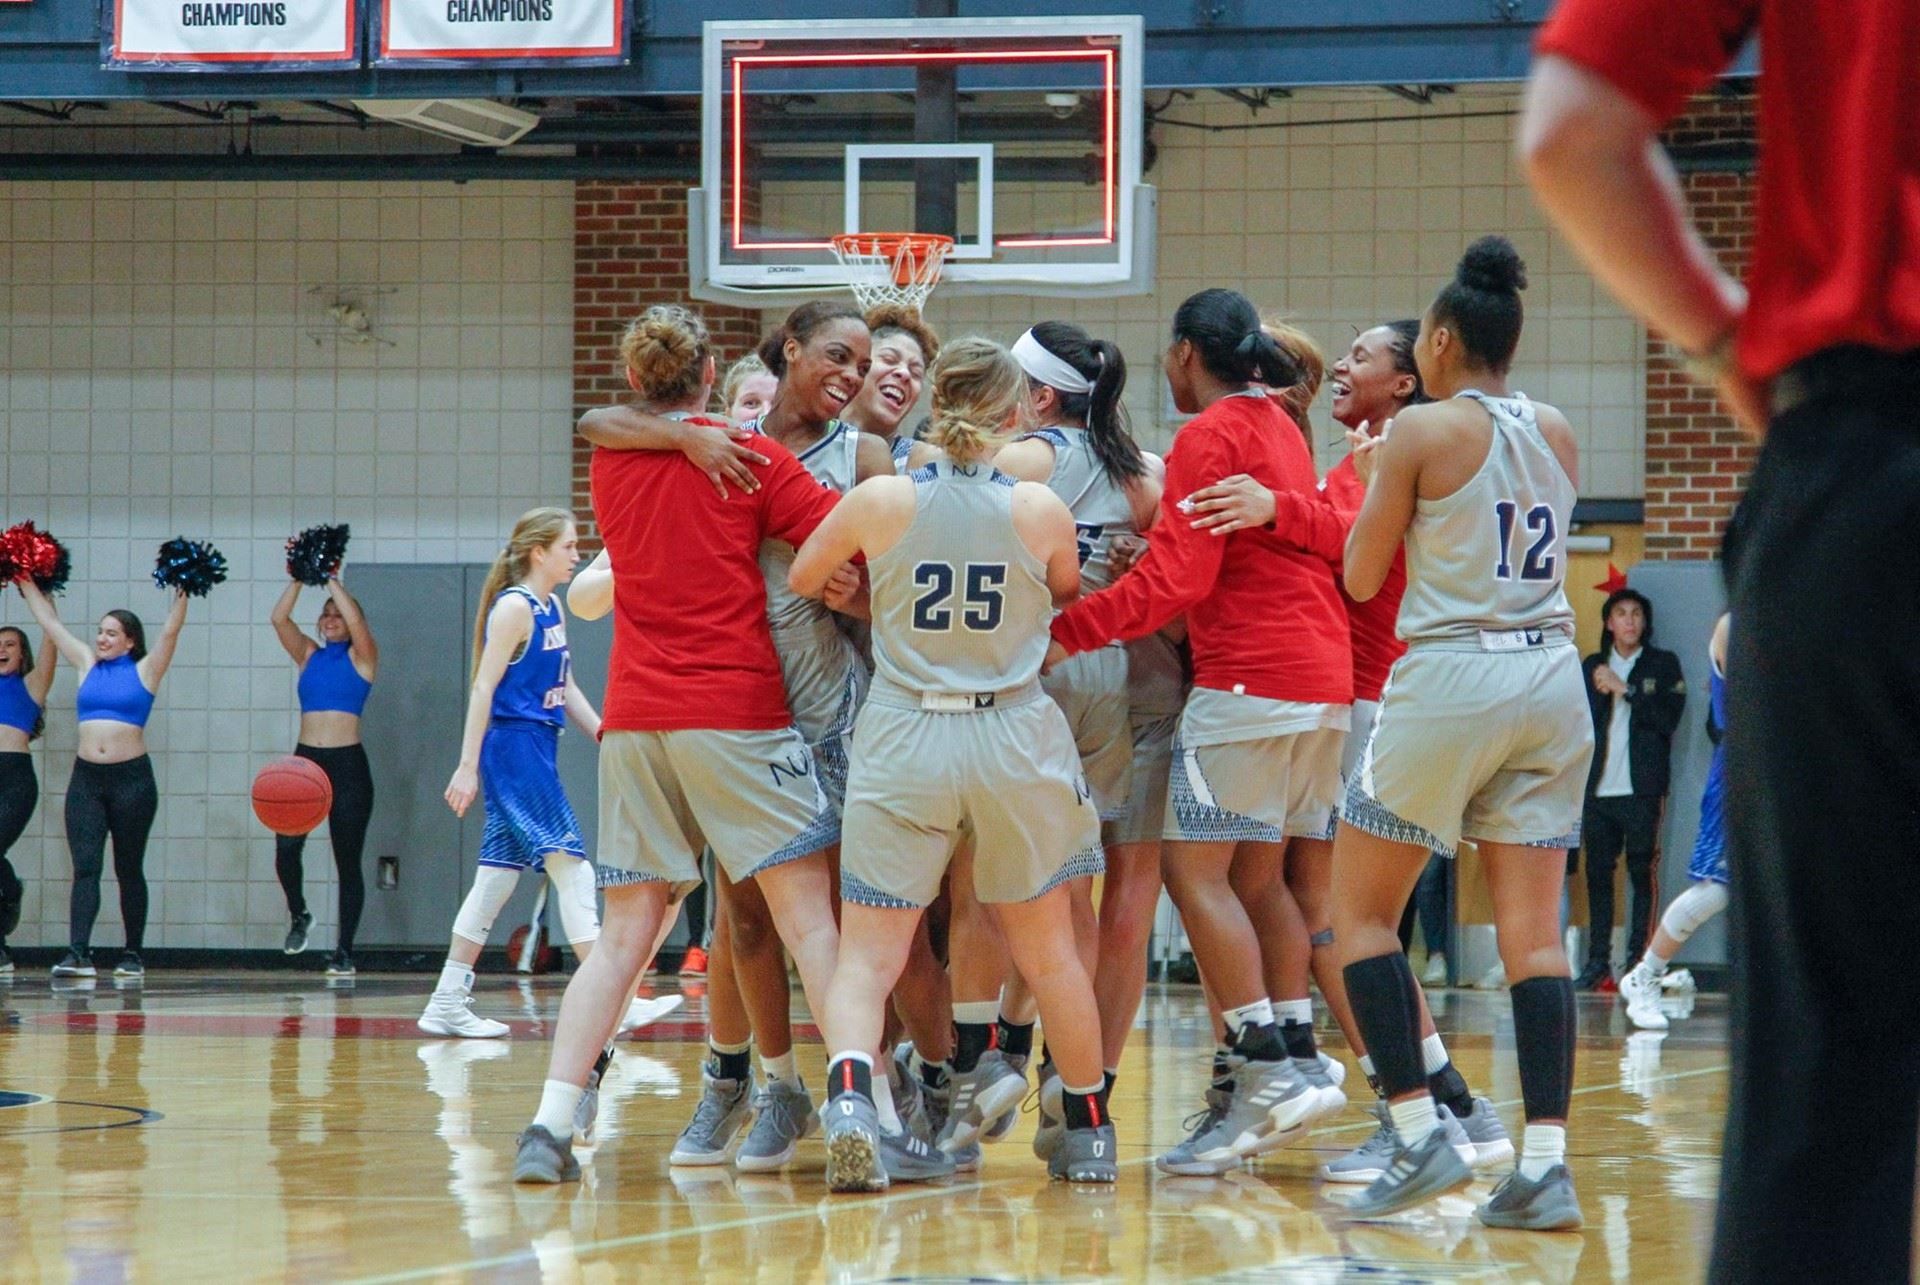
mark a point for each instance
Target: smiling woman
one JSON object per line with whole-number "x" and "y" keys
{"x": 903, "y": 346}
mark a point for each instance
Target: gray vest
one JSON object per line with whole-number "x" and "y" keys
{"x": 832, "y": 460}
{"x": 1493, "y": 555}
{"x": 1101, "y": 509}
{"x": 960, "y": 604}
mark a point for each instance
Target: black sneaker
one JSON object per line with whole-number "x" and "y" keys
{"x": 1591, "y": 976}
{"x": 297, "y": 935}
{"x": 340, "y": 964}
{"x": 13, "y": 895}
{"x": 130, "y": 966}
{"x": 76, "y": 963}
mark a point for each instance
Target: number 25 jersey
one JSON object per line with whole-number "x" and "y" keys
{"x": 960, "y": 604}
{"x": 1493, "y": 555}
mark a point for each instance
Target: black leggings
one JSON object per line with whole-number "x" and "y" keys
{"x": 345, "y": 766}
{"x": 19, "y": 794}
{"x": 117, "y": 800}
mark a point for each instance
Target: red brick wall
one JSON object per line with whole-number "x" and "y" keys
{"x": 1697, "y": 460}
{"x": 629, "y": 251}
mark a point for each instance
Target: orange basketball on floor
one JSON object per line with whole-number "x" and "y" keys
{"x": 545, "y": 957}
{"x": 291, "y": 795}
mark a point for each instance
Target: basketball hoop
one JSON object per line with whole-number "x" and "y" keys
{"x": 892, "y": 267}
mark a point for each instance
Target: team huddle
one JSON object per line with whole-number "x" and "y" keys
{"x": 913, "y": 691}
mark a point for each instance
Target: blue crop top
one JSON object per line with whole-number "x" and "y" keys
{"x": 328, "y": 681}
{"x": 112, "y": 690}
{"x": 17, "y": 708}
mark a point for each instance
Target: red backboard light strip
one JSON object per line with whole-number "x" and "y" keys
{"x": 1111, "y": 115}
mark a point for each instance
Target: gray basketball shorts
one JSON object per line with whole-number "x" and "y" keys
{"x": 825, "y": 681}
{"x": 1267, "y": 789}
{"x": 1363, "y": 716}
{"x": 1481, "y": 745}
{"x": 1091, "y": 690}
{"x": 1010, "y": 774}
{"x": 1145, "y": 814}
{"x": 752, "y": 796}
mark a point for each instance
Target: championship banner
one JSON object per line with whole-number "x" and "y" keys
{"x": 497, "y": 33}
{"x": 229, "y": 35}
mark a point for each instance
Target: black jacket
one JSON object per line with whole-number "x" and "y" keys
{"x": 1656, "y": 697}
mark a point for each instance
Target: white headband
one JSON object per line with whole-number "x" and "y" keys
{"x": 1047, "y": 367}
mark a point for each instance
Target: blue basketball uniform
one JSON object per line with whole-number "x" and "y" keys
{"x": 1709, "y": 860}
{"x": 528, "y": 814}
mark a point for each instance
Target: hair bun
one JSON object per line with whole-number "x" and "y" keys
{"x": 1492, "y": 265}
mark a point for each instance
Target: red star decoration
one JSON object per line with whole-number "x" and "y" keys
{"x": 1616, "y": 580}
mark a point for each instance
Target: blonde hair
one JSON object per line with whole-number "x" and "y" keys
{"x": 978, "y": 389}
{"x": 536, "y": 529}
{"x": 1298, "y": 397}
{"x": 665, "y": 349}
{"x": 739, "y": 373}
{"x": 898, "y": 319}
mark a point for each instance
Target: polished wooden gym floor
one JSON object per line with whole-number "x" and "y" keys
{"x": 265, "y": 1126}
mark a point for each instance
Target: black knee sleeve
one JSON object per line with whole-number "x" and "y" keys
{"x": 1543, "y": 1031}
{"x": 1386, "y": 1003}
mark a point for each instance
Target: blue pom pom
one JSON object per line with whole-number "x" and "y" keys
{"x": 315, "y": 554}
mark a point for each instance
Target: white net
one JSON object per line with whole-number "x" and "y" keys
{"x": 892, "y": 267}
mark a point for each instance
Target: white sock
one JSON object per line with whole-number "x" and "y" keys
{"x": 718, "y": 1047}
{"x": 1656, "y": 967}
{"x": 1414, "y": 1119}
{"x": 1294, "y": 1010}
{"x": 1433, "y": 1053}
{"x": 1366, "y": 1065}
{"x": 456, "y": 979}
{"x": 558, "y": 1099}
{"x": 1258, "y": 1013}
{"x": 883, "y": 1103}
{"x": 980, "y": 1013}
{"x": 1543, "y": 1147}
{"x": 780, "y": 1068}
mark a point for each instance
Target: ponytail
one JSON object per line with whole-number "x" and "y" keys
{"x": 536, "y": 529}
{"x": 1225, "y": 330}
{"x": 1109, "y": 431}
{"x": 978, "y": 390}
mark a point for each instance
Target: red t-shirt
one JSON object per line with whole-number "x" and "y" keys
{"x": 1370, "y": 624}
{"x": 1836, "y": 255}
{"x": 1259, "y": 615}
{"x": 690, "y": 640}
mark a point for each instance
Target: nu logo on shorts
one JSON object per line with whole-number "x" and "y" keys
{"x": 797, "y": 767}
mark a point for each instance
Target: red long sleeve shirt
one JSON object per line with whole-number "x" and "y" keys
{"x": 690, "y": 641}
{"x": 1836, "y": 249}
{"x": 1319, "y": 524}
{"x": 1260, "y": 617}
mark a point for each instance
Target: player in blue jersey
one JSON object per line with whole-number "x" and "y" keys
{"x": 523, "y": 690}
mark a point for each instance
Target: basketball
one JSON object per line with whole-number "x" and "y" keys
{"x": 545, "y": 957}
{"x": 291, "y": 795}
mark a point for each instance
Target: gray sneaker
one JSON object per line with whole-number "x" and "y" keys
{"x": 1085, "y": 1155}
{"x": 1332, "y": 1099}
{"x": 587, "y": 1112}
{"x": 1491, "y": 1143}
{"x": 1456, "y": 1134}
{"x": 724, "y": 1107}
{"x": 908, "y": 1159}
{"x": 1004, "y": 1125}
{"x": 1201, "y": 1126}
{"x": 297, "y": 935}
{"x": 1546, "y": 1205}
{"x": 544, "y": 1158}
{"x": 1418, "y": 1174}
{"x": 782, "y": 1115}
{"x": 1268, "y": 1098}
{"x": 978, "y": 1098}
{"x": 1370, "y": 1159}
{"x": 853, "y": 1145}
{"x": 1053, "y": 1120}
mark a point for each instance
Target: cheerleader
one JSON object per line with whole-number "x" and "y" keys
{"x": 523, "y": 690}
{"x": 336, "y": 673}
{"x": 24, "y": 682}
{"x": 112, "y": 792}
{"x": 1707, "y": 896}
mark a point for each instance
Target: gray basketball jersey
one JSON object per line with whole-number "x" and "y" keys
{"x": 832, "y": 460}
{"x": 1492, "y": 557}
{"x": 1101, "y": 509}
{"x": 901, "y": 446}
{"x": 960, "y": 604}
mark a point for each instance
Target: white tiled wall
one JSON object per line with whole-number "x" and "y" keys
{"x": 169, "y": 368}
{"x": 1343, "y": 226}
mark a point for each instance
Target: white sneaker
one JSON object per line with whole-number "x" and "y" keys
{"x": 645, "y": 1012}
{"x": 1495, "y": 980}
{"x": 1641, "y": 990}
{"x": 453, "y": 1015}
{"x": 1436, "y": 974}
{"x": 1678, "y": 979}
